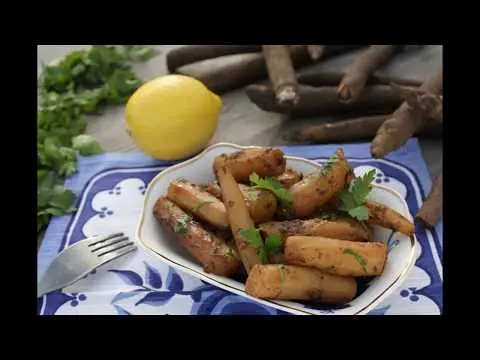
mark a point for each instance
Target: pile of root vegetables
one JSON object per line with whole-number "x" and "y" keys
{"x": 387, "y": 110}
{"x": 286, "y": 235}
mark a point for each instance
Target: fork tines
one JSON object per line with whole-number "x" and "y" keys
{"x": 108, "y": 244}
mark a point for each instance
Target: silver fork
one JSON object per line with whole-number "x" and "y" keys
{"x": 76, "y": 261}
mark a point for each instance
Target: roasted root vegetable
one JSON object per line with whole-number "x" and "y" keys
{"x": 262, "y": 161}
{"x": 231, "y": 226}
{"x": 239, "y": 218}
{"x": 337, "y": 257}
{"x": 383, "y": 216}
{"x": 282, "y": 282}
{"x": 198, "y": 202}
{"x": 320, "y": 187}
{"x": 341, "y": 228}
{"x": 216, "y": 256}
{"x": 261, "y": 203}
{"x": 289, "y": 178}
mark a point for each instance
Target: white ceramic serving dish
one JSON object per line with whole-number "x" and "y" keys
{"x": 151, "y": 236}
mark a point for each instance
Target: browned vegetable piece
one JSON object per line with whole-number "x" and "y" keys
{"x": 197, "y": 202}
{"x": 261, "y": 203}
{"x": 341, "y": 228}
{"x": 214, "y": 254}
{"x": 213, "y": 188}
{"x": 383, "y": 216}
{"x": 283, "y": 282}
{"x": 337, "y": 257}
{"x": 238, "y": 216}
{"x": 320, "y": 187}
{"x": 263, "y": 161}
{"x": 289, "y": 178}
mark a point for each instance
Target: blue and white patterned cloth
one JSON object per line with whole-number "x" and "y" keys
{"x": 110, "y": 189}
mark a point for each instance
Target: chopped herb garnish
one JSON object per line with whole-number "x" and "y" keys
{"x": 254, "y": 239}
{"x": 358, "y": 257}
{"x": 281, "y": 268}
{"x": 353, "y": 199}
{"x": 181, "y": 226}
{"x": 275, "y": 186}
{"x": 273, "y": 244}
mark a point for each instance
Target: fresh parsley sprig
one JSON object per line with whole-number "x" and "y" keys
{"x": 353, "y": 199}
{"x": 82, "y": 83}
{"x": 272, "y": 244}
{"x": 275, "y": 186}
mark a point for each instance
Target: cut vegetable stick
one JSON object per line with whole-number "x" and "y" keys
{"x": 199, "y": 203}
{"x": 216, "y": 256}
{"x": 333, "y": 79}
{"x": 193, "y": 53}
{"x": 356, "y": 77}
{"x": 262, "y": 161}
{"x": 383, "y": 216}
{"x": 261, "y": 203}
{"x": 249, "y": 69}
{"x": 431, "y": 209}
{"x": 316, "y": 51}
{"x": 351, "y": 129}
{"x": 281, "y": 73}
{"x": 324, "y": 101}
{"x": 404, "y": 122}
{"x": 342, "y": 229}
{"x": 320, "y": 187}
{"x": 238, "y": 217}
{"x": 283, "y": 282}
{"x": 337, "y": 257}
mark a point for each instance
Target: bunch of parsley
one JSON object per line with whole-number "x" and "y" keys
{"x": 82, "y": 83}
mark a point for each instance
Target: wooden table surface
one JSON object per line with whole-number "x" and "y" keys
{"x": 241, "y": 121}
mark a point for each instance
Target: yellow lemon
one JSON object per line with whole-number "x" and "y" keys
{"x": 172, "y": 117}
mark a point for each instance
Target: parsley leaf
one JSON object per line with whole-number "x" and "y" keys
{"x": 273, "y": 244}
{"x": 275, "y": 186}
{"x": 358, "y": 257}
{"x": 352, "y": 200}
{"x": 254, "y": 239}
{"x": 82, "y": 83}
{"x": 86, "y": 145}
